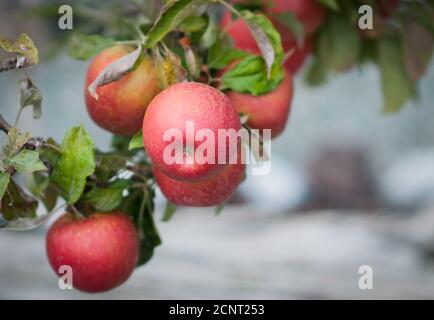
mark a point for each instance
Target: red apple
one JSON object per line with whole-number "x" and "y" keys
{"x": 102, "y": 250}
{"x": 299, "y": 55}
{"x": 309, "y": 12}
{"x": 205, "y": 193}
{"x": 243, "y": 39}
{"x": 268, "y": 111}
{"x": 178, "y": 108}
{"x": 121, "y": 104}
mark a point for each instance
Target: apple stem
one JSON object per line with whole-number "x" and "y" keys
{"x": 77, "y": 213}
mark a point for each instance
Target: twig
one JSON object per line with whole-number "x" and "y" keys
{"x": 33, "y": 143}
{"x": 13, "y": 64}
{"x": 4, "y": 125}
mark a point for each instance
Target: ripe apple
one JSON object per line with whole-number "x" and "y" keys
{"x": 121, "y": 104}
{"x": 243, "y": 39}
{"x": 209, "y": 192}
{"x": 309, "y": 12}
{"x": 299, "y": 55}
{"x": 102, "y": 250}
{"x": 268, "y": 111}
{"x": 178, "y": 108}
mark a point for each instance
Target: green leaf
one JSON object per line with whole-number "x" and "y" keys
{"x": 31, "y": 96}
{"x": 137, "y": 141}
{"x": 43, "y": 189}
{"x": 23, "y": 46}
{"x": 418, "y": 48}
{"x": 140, "y": 206}
{"x": 168, "y": 211}
{"x": 210, "y": 34}
{"x": 219, "y": 209}
{"x": 267, "y": 38}
{"x": 4, "y": 181}
{"x": 17, "y": 204}
{"x": 83, "y": 47}
{"x": 316, "y": 74}
{"x": 338, "y": 44}
{"x": 108, "y": 165}
{"x": 250, "y": 76}
{"x": 75, "y": 164}
{"x": 397, "y": 87}
{"x": 107, "y": 199}
{"x": 171, "y": 16}
{"x": 116, "y": 70}
{"x": 50, "y": 151}
{"x": 193, "y": 24}
{"x": 422, "y": 13}
{"x": 332, "y": 4}
{"x": 26, "y": 161}
{"x": 221, "y": 54}
{"x": 16, "y": 141}
{"x": 291, "y": 21}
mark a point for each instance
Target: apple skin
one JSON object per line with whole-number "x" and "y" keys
{"x": 309, "y": 12}
{"x": 206, "y": 107}
{"x": 102, "y": 250}
{"x": 243, "y": 39}
{"x": 268, "y": 111}
{"x": 210, "y": 192}
{"x": 121, "y": 104}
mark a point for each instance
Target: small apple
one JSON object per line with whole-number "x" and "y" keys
{"x": 188, "y": 108}
{"x": 122, "y": 104}
{"x": 268, "y": 111}
{"x": 102, "y": 250}
{"x": 209, "y": 192}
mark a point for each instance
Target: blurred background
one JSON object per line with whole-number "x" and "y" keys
{"x": 350, "y": 186}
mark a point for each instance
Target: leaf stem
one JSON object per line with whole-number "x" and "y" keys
{"x": 127, "y": 42}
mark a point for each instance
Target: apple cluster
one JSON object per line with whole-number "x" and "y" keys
{"x": 103, "y": 249}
